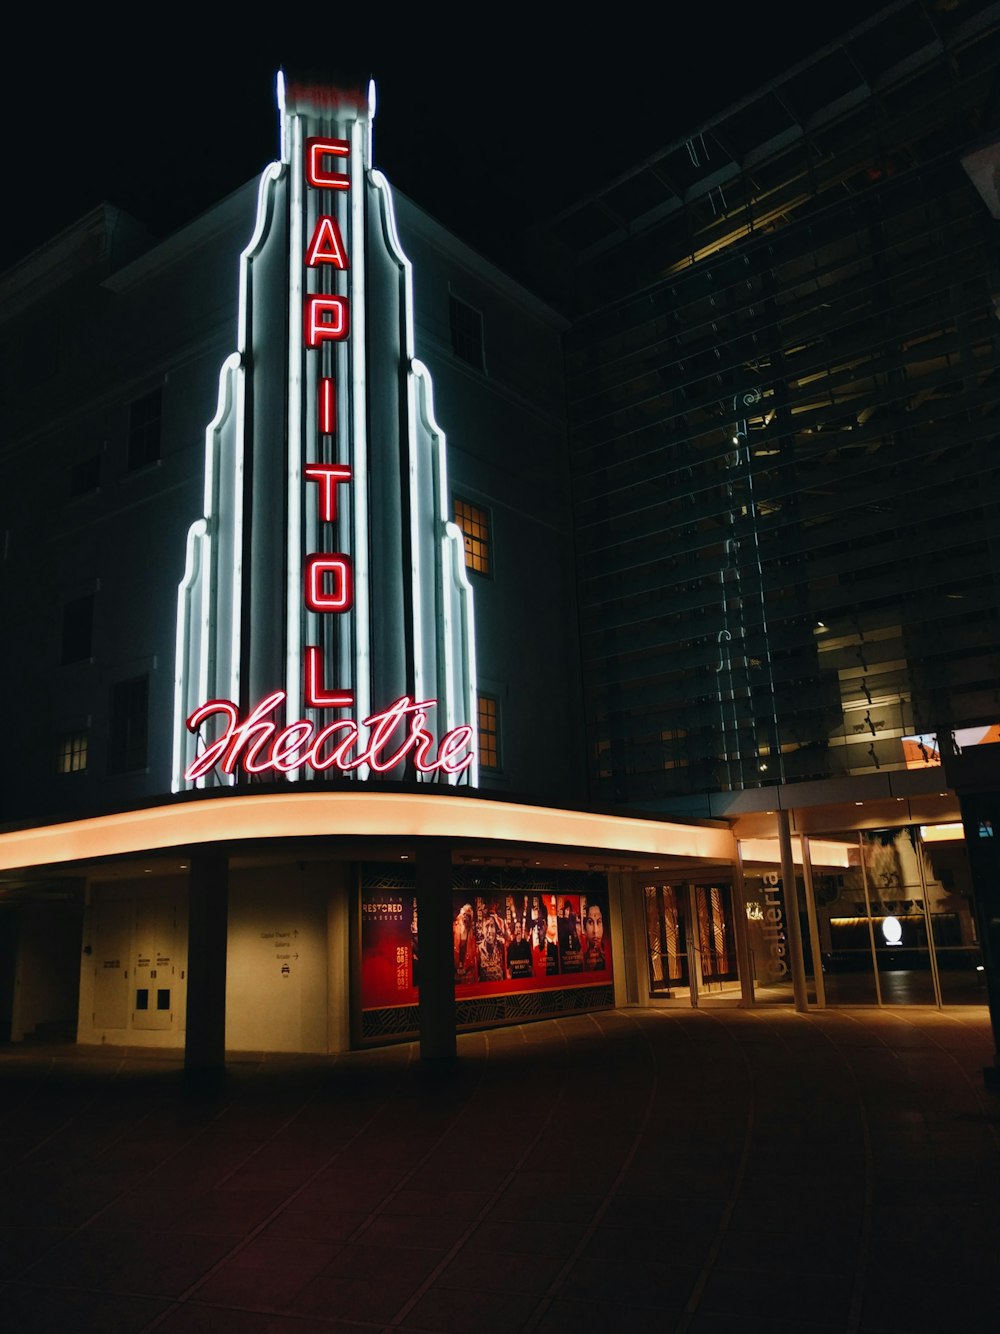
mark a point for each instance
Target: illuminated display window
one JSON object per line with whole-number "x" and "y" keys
{"x": 85, "y": 476}
{"x": 488, "y": 720}
{"x": 77, "y": 629}
{"x": 71, "y": 754}
{"x": 129, "y": 725}
{"x": 467, "y": 333}
{"x": 475, "y": 525}
{"x": 144, "y": 430}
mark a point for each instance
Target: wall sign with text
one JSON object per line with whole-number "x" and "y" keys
{"x": 325, "y": 617}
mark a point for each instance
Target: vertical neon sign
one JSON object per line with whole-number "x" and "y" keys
{"x": 328, "y": 577}
{"x": 360, "y": 595}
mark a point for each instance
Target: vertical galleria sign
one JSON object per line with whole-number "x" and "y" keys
{"x": 324, "y": 617}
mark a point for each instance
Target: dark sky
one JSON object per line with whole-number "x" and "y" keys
{"x": 489, "y": 117}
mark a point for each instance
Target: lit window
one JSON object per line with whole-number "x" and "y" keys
{"x": 78, "y": 629}
{"x": 489, "y": 732}
{"x": 475, "y": 525}
{"x": 129, "y": 724}
{"x": 71, "y": 754}
{"x": 467, "y": 333}
{"x": 144, "y": 430}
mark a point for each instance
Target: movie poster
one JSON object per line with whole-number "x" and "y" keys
{"x": 503, "y": 941}
{"x": 389, "y": 949}
{"x": 508, "y": 941}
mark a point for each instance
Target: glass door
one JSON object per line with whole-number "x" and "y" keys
{"x": 667, "y": 941}
{"x": 716, "y": 940}
{"x": 690, "y": 942}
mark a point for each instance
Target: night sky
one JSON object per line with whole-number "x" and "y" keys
{"x": 489, "y": 130}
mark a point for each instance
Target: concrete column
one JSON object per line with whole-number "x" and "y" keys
{"x": 208, "y": 928}
{"x": 792, "y": 925}
{"x": 437, "y": 959}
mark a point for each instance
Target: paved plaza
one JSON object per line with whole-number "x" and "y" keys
{"x": 688, "y": 1171}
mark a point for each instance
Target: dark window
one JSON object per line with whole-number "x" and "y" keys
{"x": 163, "y": 998}
{"x": 71, "y": 753}
{"x": 129, "y": 726}
{"x": 78, "y": 629}
{"x": 144, "y": 430}
{"x": 142, "y": 998}
{"x": 475, "y": 525}
{"x": 467, "y": 333}
{"x": 489, "y": 732}
{"x": 39, "y": 353}
{"x": 85, "y": 476}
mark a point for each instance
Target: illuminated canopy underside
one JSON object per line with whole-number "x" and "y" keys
{"x": 226, "y": 819}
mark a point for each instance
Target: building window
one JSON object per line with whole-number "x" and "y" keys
{"x": 129, "y": 725}
{"x": 71, "y": 754}
{"x": 488, "y": 717}
{"x": 78, "y": 629}
{"x": 467, "y": 333}
{"x": 39, "y": 347}
{"x": 85, "y": 476}
{"x": 144, "y": 430}
{"x": 475, "y": 525}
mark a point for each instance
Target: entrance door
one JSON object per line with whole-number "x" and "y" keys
{"x": 690, "y": 942}
{"x": 666, "y": 940}
{"x": 716, "y": 940}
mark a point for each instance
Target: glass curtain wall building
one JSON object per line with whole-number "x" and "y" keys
{"x": 784, "y": 417}
{"x": 784, "y": 400}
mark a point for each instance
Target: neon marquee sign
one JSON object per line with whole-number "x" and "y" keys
{"x": 260, "y": 741}
{"x": 257, "y": 744}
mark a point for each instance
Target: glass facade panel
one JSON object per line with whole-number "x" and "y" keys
{"x": 896, "y": 924}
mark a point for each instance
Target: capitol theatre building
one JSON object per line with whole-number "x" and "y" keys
{"x": 392, "y": 648}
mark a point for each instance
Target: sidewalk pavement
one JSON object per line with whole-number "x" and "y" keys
{"x": 687, "y": 1171}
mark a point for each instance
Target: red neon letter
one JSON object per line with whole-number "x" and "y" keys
{"x": 326, "y": 245}
{"x": 319, "y": 329}
{"x": 211, "y": 755}
{"x": 317, "y": 174}
{"x": 327, "y": 406}
{"x": 327, "y": 475}
{"x": 451, "y": 743}
{"x": 338, "y": 756}
{"x": 382, "y": 725}
{"x": 284, "y": 749}
{"x": 316, "y": 596}
{"x": 317, "y": 697}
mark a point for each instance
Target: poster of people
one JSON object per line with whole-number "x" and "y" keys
{"x": 503, "y": 941}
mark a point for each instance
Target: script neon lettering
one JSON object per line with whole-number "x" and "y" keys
{"x": 297, "y": 744}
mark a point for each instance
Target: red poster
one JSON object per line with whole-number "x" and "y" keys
{"x": 389, "y": 951}
{"x": 503, "y": 942}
